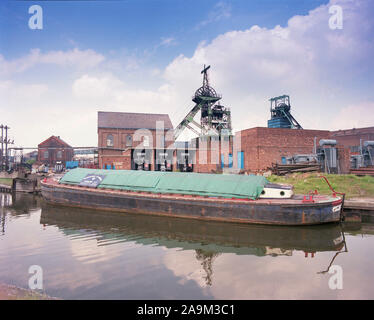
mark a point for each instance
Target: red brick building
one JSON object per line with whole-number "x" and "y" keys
{"x": 121, "y": 135}
{"x": 264, "y": 146}
{"x": 350, "y": 138}
{"x": 213, "y": 153}
{"x": 261, "y": 147}
{"x": 251, "y": 150}
{"x": 54, "y": 149}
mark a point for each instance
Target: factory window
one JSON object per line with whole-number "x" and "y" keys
{"x": 109, "y": 140}
{"x": 128, "y": 140}
{"x": 355, "y": 148}
{"x": 46, "y": 154}
{"x": 59, "y": 154}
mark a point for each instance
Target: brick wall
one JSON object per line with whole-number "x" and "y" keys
{"x": 53, "y": 150}
{"x": 351, "y": 137}
{"x": 344, "y": 157}
{"x": 66, "y": 154}
{"x": 119, "y": 154}
{"x": 209, "y": 154}
{"x": 261, "y": 147}
{"x": 264, "y": 146}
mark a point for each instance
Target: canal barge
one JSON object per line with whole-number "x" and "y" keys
{"x": 217, "y": 197}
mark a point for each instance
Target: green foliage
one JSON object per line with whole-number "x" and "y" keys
{"x": 31, "y": 161}
{"x": 351, "y": 185}
{"x": 6, "y": 181}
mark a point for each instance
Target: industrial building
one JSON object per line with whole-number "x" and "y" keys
{"x": 217, "y": 148}
{"x": 353, "y": 138}
{"x": 53, "y": 150}
{"x": 360, "y": 142}
{"x": 120, "y": 138}
{"x": 264, "y": 146}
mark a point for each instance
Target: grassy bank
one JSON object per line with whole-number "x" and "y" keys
{"x": 6, "y": 181}
{"x": 9, "y": 292}
{"x": 353, "y": 186}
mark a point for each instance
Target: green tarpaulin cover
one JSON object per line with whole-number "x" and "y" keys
{"x": 213, "y": 185}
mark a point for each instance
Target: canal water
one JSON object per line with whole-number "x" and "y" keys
{"x": 98, "y": 255}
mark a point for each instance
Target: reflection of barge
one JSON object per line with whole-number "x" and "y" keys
{"x": 232, "y": 198}
{"x": 191, "y": 234}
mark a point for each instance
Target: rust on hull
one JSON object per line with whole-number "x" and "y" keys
{"x": 270, "y": 212}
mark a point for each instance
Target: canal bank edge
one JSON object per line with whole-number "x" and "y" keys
{"x": 11, "y": 292}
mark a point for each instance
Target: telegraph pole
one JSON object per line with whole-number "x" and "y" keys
{"x": 6, "y": 147}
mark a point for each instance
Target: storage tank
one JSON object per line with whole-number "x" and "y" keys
{"x": 327, "y": 142}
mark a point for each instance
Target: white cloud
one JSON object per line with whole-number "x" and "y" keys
{"x": 326, "y": 72}
{"x": 107, "y": 91}
{"x": 317, "y": 66}
{"x": 9, "y": 88}
{"x": 354, "y": 116}
{"x": 220, "y": 12}
{"x": 81, "y": 59}
{"x": 167, "y": 41}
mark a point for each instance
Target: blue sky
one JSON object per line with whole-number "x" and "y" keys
{"x": 153, "y": 31}
{"x": 145, "y": 56}
{"x": 139, "y": 25}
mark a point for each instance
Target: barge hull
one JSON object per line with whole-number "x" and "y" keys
{"x": 252, "y": 212}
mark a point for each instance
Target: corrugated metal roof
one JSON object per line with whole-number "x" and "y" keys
{"x": 130, "y": 120}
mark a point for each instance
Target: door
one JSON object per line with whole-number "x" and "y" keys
{"x": 240, "y": 160}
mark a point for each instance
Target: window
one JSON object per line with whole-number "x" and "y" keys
{"x": 128, "y": 141}
{"x": 46, "y": 155}
{"x": 59, "y": 154}
{"x": 109, "y": 140}
{"x": 355, "y": 148}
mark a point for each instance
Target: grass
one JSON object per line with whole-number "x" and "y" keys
{"x": 353, "y": 186}
{"x": 6, "y": 181}
{"x": 10, "y": 292}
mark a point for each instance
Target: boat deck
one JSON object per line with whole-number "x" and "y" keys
{"x": 294, "y": 200}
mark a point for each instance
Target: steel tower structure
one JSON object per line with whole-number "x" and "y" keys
{"x": 281, "y": 117}
{"x": 215, "y": 118}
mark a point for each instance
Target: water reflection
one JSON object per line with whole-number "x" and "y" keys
{"x": 208, "y": 239}
{"x": 5, "y": 199}
{"x": 258, "y": 240}
{"x": 20, "y": 203}
{"x": 15, "y": 204}
{"x": 92, "y": 254}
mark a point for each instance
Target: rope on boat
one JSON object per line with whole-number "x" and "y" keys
{"x": 334, "y": 193}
